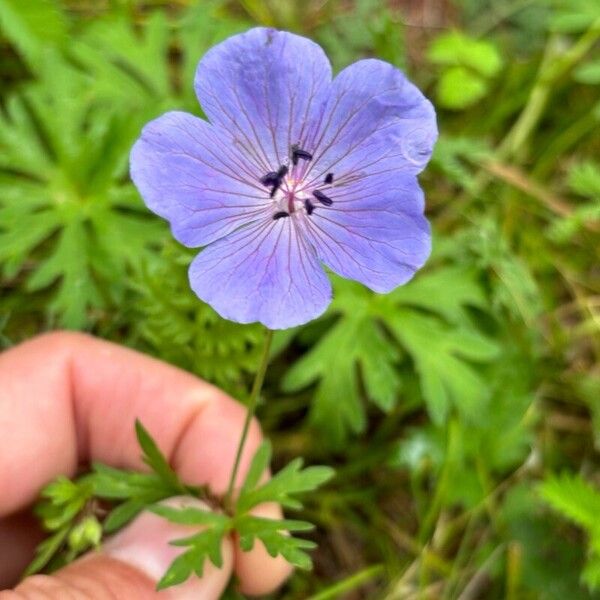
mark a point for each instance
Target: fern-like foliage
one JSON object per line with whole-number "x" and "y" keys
{"x": 181, "y": 329}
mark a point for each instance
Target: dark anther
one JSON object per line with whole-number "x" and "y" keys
{"x": 322, "y": 198}
{"x": 329, "y": 178}
{"x": 298, "y": 153}
{"x": 309, "y": 206}
{"x": 280, "y": 215}
{"x": 271, "y": 178}
{"x": 274, "y": 178}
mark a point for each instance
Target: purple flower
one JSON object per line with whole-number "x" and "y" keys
{"x": 293, "y": 170}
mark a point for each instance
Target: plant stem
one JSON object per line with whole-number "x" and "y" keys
{"x": 349, "y": 583}
{"x": 251, "y": 409}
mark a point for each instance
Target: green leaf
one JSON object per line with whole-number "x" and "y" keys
{"x": 46, "y": 551}
{"x": 588, "y": 73}
{"x": 273, "y": 534}
{"x": 203, "y": 546}
{"x": 457, "y": 285}
{"x": 355, "y": 344}
{"x": 32, "y": 25}
{"x": 459, "y": 88}
{"x": 61, "y": 501}
{"x": 591, "y": 572}
{"x": 258, "y": 466}
{"x": 456, "y": 49}
{"x": 65, "y": 202}
{"x": 116, "y": 484}
{"x": 70, "y": 264}
{"x": 127, "y": 62}
{"x": 154, "y": 458}
{"x": 282, "y": 487}
{"x": 190, "y": 515}
{"x": 584, "y": 180}
{"x": 359, "y": 343}
{"x": 578, "y": 501}
{"x": 438, "y": 352}
{"x": 122, "y": 514}
{"x": 574, "y": 498}
{"x": 573, "y": 16}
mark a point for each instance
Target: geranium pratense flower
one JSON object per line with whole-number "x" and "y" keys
{"x": 292, "y": 171}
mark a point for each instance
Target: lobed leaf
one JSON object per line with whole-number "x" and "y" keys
{"x": 283, "y": 486}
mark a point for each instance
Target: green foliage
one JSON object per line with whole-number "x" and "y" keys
{"x": 33, "y": 26}
{"x": 63, "y": 194}
{"x": 61, "y": 511}
{"x": 579, "y": 502}
{"x": 65, "y": 202}
{"x": 199, "y": 547}
{"x": 443, "y": 400}
{"x": 588, "y": 73}
{"x": 469, "y": 64}
{"x": 455, "y": 155}
{"x": 584, "y": 180}
{"x": 573, "y": 16}
{"x": 287, "y": 483}
{"x": 68, "y": 509}
{"x": 363, "y": 348}
{"x": 283, "y": 487}
{"x": 187, "y": 332}
{"x": 368, "y": 28}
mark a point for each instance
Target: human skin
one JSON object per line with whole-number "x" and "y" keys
{"x": 67, "y": 399}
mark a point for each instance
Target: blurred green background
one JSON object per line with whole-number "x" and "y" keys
{"x": 462, "y": 411}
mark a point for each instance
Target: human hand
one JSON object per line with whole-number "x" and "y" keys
{"x": 67, "y": 399}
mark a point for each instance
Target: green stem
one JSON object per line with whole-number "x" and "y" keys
{"x": 554, "y": 66}
{"x": 352, "y": 582}
{"x": 251, "y": 409}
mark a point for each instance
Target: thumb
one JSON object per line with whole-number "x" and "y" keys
{"x": 128, "y": 568}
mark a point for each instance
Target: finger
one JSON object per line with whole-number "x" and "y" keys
{"x": 67, "y": 398}
{"x": 19, "y": 535}
{"x": 129, "y": 567}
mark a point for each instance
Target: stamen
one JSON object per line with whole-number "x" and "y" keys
{"x": 322, "y": 198}
{"x": 270, "y": 178}
{"x": 329, "y": 178}
{"x": 309, "y": 206}
{"x": 280, "y": 215}
{"x": 298, "y": 153}
{"x": 274, "y": 178}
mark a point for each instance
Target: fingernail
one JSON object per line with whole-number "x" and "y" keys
{"x": 144, "y": 544}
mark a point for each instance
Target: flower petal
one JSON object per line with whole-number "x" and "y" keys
{"x": 374, "y": 232}
{"x": 261, "y": 87}
{"x": 264, "y": 272}
{"x": 188, "y": 174}
{"x": 374, "y": 116}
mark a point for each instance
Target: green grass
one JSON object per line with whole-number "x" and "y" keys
{"x": 462, "y": 412}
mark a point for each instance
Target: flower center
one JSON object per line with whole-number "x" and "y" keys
{"x": 288, "y": 192}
